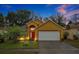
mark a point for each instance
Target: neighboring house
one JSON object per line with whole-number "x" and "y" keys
{"x": 74, "y": 30}
{"x": 40, "y": 30}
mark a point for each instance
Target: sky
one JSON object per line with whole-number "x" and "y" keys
{"x": 43, "y": 10}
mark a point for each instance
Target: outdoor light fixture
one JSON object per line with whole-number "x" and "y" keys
{"x": 22, "y": 38}
{"x": 32, "y": 27}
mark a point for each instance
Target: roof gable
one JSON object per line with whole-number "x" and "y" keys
{"x": 50, "y": 24}
{"x": 57, "y": 24}
{"x": 37, "y": 22}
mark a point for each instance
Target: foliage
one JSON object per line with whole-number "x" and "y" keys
{"x": 9, "y": 44}
{"x": 23, "y": 16}
{"x": 3, "y": 36}
{"x": 35, "y": 44}
{"x": 20, "y": 17}
{"x": 1, "y": 20}
{"x": 11, "y": 33}
{"x": 11, "y": 17}
{"x": 53, "y": 18}
{"x": 14, "y": 32}
{"x": 58, "y": 19}
{"x": 66, "y": 34}
{"x": 67, "y": 26}
{"x": 75, "y": 37}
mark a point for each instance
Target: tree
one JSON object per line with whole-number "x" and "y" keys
{"x": 11, "y": 18}
{"x": 53, "y": 18}
{"x": 20, "y": 17}
{"x": 58, "y": 19}
{"x": 46, "y": 19}
{"x": 1, "y": 20}
{"x": 23, "y": 16}
{"x": 74, "y": 18}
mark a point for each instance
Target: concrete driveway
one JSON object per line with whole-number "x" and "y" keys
{"x": 56, "y": 47}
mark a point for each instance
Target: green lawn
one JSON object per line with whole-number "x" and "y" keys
{"x": 74, "y": 43}
{"x": 18, "y": 48}
{"x": 18, "y": 45}
{"x": 11, "y": 45}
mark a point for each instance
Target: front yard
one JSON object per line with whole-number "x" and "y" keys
{"x": 74, "y": 43}
{"x": 9, "y": 45}
{"x": 18, "y": 48}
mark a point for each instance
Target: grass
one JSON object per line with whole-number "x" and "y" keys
{"x": 18, "y": 48}
{"x": 74, "y": 43}
{"x": 18, "y": 45}
{"x": 11, "y": 45}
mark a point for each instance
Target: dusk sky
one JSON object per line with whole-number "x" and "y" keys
{"x": 43, "y": 10}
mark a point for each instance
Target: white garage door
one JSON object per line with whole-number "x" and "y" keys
{"x": 49, "y": 35}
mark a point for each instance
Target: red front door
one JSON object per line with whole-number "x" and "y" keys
{"x": 32, "y": 35}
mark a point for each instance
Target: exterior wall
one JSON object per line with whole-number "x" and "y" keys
{"x": 36, "y": 24}
{"x": 62, "y": 34}
{"x": 36, "y": 32}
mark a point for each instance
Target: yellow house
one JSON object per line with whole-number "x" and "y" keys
{"x": 44, "y": 31}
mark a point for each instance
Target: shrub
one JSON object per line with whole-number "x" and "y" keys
{"x": 1, "y": 39}
{"x": 75, "y": 37}
{"x": 66, "y": 34}
{"x": 3, "y": 36}
{"x": 14, "y": 32}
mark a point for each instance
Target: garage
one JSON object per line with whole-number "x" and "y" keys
{"x": 49, "y": 35}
